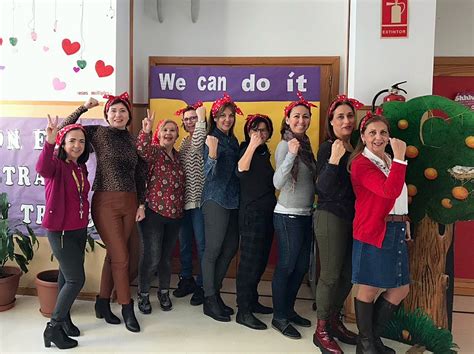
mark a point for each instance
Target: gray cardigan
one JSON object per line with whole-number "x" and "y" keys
{"x": 296, "y": 198}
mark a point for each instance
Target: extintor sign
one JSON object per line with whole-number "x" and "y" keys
{"x": 394, "y": 19}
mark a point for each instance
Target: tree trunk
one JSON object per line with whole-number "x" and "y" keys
{"x": 427, "y": 270}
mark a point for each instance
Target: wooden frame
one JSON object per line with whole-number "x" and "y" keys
{"x": 330, "y": 67}
{"x": 453, "y": 66}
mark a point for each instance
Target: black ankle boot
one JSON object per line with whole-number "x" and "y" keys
{"x": 54, "y": 333}
{"x": 198, "y": 297}
{"x": 102, "y": 310}
{"x": 383, "y": 312}
{"x": 246, "y": 318}
{"x": 212, "y": 309}
{"x": 129, "y": 318}
{"x": 365, "y": 341}
{"x": 185, "y": 287}
{"x": 229, "y": 311}
{"x": 70, "y": 328}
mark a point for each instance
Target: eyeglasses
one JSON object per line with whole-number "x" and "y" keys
{"x": 190, "y": 119}
{"x": 264, "y": 130}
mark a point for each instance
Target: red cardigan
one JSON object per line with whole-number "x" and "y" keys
{"x": 375, "y": 196}
{"x": 62, "y": 197}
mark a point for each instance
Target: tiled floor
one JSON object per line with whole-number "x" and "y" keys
{"x": 185, "y": 329}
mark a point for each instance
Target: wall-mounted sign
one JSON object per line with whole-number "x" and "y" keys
{"x": 394, "y": 19}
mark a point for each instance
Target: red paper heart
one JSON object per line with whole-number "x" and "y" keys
{"x": 1, "y": 41}
{"x": 102, "y": 69}
{"x": 70, "y": 48}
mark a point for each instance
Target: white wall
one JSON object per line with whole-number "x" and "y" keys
{"x": 27, "y": 70}
{"x": 454, "y": 28}
{"x": 238, "y": 28}
{"x": 375, "y": 63}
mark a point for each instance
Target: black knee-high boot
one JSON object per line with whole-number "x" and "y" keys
{"x": 54, "y": 333}
{"x": 364, "y": 314}
{"x": 383, "y": 312}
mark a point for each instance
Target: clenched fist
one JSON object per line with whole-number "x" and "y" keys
{"x": 398, "y": 147}
{"x": 91, "y": 103}
{"x": 212, "y": 142}
{"x": 294, "y": 146}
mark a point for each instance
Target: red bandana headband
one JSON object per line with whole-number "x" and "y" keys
{"x": 122, "y": 97}
{"x": 301, "y": 101}
{"x": 343, "y": 98}
{"x": 222, "y": 101}
{"x": 62, "y": 133}
{"x": 251, "y": 118}
{"x": 370, "y": 115}
{"x": 189, "y": 107}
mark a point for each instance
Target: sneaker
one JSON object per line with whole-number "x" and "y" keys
{"x": 186, "y": 286}
{"x": 165, "y": 301}
{"x": 198, "y": 297}
{"x": 144, "y": 303}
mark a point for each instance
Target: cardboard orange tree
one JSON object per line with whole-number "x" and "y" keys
{"x": 440, "y": 151}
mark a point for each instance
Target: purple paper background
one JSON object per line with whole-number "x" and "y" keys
{"x": 19, "y": 195}
{"x": 277, "y": 76}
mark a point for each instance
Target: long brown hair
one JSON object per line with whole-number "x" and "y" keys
{"x": 360, "y": 145}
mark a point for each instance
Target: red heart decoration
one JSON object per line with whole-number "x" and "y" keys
{"x": 70, "y": 48}
{"x": 1, "y": 41}
{"x": 103, "y": 70}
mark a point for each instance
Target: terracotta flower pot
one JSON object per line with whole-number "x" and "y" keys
{"x": 8, "y": 287}
{"x": 47, "y": 289}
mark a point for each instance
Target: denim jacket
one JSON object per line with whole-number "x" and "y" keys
{"x": 222, "y": 185}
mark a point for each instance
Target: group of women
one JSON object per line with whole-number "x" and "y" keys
{"x": 224, "y": 195}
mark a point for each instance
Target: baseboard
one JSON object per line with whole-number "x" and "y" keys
{"x": 32, "y": 292}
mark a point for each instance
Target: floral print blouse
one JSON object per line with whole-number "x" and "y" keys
{"x": 165, "y": 179}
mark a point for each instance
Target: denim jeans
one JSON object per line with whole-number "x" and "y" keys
{"x": 294, "y": 234}
{"x": 70, "y": 254}
{"x": 159, "y": 235}
{"x": 192, "y": 224}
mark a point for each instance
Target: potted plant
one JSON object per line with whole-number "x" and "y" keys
{"x": 16, "y": 246}
{"x": 47, "y": 281}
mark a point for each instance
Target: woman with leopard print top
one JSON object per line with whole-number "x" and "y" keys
{"x": 118, "y": 200}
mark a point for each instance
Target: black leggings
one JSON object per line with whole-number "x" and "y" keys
{"x": 70, "y": 254}
{"x": 222, "y": 241}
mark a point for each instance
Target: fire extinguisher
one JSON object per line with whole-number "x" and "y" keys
{"x": 392, "y": 94}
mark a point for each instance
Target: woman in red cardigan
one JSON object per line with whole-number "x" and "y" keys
{"x": 380, "y": 228}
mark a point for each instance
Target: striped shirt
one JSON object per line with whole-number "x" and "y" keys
{"x": 190, "y": 155}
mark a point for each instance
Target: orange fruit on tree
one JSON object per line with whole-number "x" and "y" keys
{"x": 470, "y": 141}
{"x": 460, "y": 193}
{"x": 446, "y": 202}
{"x": 431, "y": 173}
{"x": 412, "y": 190}
{"x": 402, "y": 124}
{"x": 411, "y": 152}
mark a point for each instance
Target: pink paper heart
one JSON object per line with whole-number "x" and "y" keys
{"x": 45, "y": 48}
{"x": 58, "y": 84}
{"x": 76, "y": 69}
